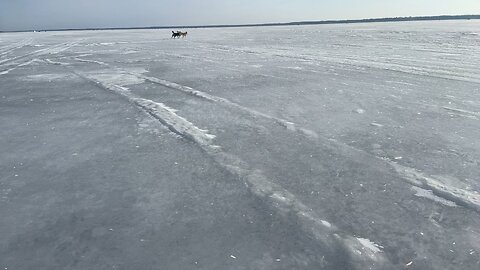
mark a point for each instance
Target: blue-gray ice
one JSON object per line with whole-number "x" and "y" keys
{"x": 313, "y": 147}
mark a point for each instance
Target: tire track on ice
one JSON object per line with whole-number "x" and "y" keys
{"x": 196, "y": 93}
{"x": 361, "y": 252}
{"x": 19, "y": 65}
{"x": 10, "y": 48}
{"x": 447, "y": 191}
{"x": 461, "y": 112}
{"x": 56, "y": 49}
{"x": 469, "y": 75}
{"x": 460, "y": 196}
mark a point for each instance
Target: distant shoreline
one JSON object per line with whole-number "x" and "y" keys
{"x": 373, "y": 20}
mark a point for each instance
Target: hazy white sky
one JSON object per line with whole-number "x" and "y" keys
{"x": 48, "y": 14}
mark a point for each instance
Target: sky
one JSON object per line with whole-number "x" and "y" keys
{"x": 58, "y": 14}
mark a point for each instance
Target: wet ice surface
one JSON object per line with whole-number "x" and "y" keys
{"x": 316, "y": 147}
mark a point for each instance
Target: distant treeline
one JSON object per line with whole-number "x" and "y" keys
{"x": 395, "y": 19}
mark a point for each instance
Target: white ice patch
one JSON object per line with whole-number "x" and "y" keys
{"x": 82, "y": 54}
{"x": 6, "y": 60}
{"x": 121, "y": 79}
{"x": 359, "y": 111}
{"x": 174, "y": 122}
{"x": 294, "y": 68}
{"x": 20, "y": 65}
{"x": 6, "y": 71}
{"x": 376, "y": 124}
{"x": 428, "y": 194}
{"x": 371, "y": 246}
{"x": 326, "y": 223}
{"x": 448, "y": 188}
{"x": 461, "y": 112}
{"x": 99, "y": 44}
{"x": 48, "y": 77}
{"x": 56, "y": 62}
{"x": 91, "y": 61}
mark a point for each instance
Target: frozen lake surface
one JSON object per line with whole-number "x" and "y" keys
{"x": 313, "y": 147}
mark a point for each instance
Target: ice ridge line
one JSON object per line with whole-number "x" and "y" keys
{"x": 361, "y": 252}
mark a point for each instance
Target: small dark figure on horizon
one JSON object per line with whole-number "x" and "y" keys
{"x": 179, "y": 34}
{"x": 175, "y": 35}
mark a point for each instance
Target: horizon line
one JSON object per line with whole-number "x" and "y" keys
{"x": 293, "y": 23}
